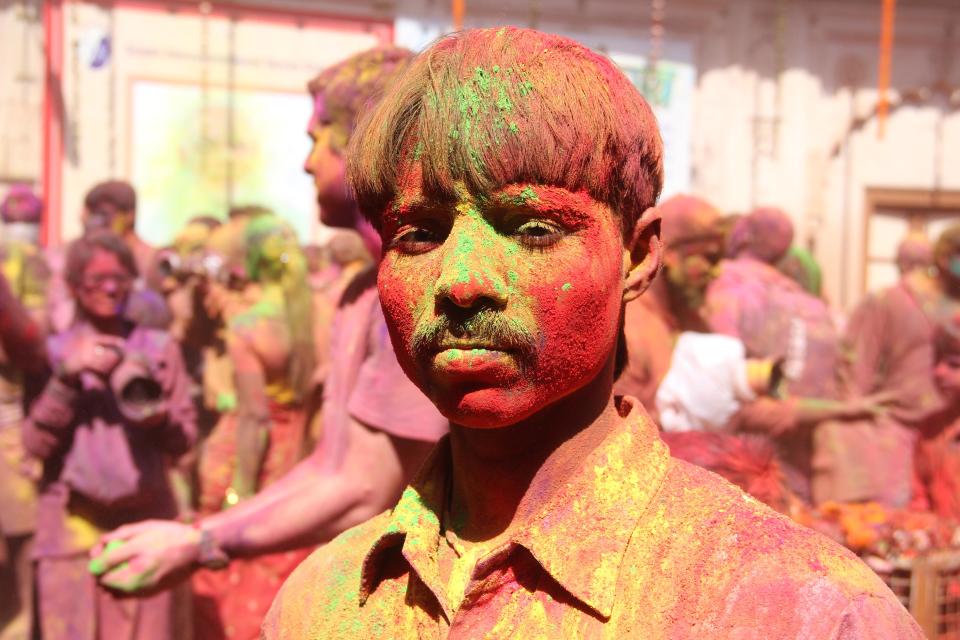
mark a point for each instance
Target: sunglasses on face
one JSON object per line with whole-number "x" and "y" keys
{"x": 101, "y": 280}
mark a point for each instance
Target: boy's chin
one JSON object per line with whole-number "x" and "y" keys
{"x": 489, "y": 408}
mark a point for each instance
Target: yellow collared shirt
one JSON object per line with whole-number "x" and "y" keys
{"x": 638, "y": 545}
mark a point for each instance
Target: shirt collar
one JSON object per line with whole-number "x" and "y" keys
{"x": 579, "y": 536}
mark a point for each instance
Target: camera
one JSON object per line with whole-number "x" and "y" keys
{"x": 136, "y": 390}
{"x": 138, "y": 393}
{"x": 205, "y": 265}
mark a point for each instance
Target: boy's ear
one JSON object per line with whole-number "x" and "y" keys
{"x": 642, "y": 255}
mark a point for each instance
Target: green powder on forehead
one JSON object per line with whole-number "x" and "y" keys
{"x": 483, "y": 101}
{"x": 567, "y": 286}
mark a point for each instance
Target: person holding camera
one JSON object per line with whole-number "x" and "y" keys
{"x": 113, "y": 415}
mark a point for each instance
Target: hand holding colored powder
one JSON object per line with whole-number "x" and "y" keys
{"x": 98, "y": 565}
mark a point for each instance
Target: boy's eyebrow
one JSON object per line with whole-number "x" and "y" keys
{"x": 404, "y": 200}
{"x": 547, "y": 199}
{"x": 576, "y": 206}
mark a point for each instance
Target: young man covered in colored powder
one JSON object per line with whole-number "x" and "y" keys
{"x": 937, "y": 461}
{"x": 112, "y": 206}
{"x": 377, "y": 426}
{"x": 270, "y": 345}
{"x": 115, "y": 411}
{"x": 25, "y": 273}
{"x": 776, "y": 318}
{"x": 513, "y": 177}
{"x": 692, "y": 247}
{"x": 889, "y": 350}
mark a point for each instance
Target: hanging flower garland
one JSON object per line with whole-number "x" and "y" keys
{"x": 459, "y": 10}
{"x": 651, "y": 80}
{"x": 886, "y": 58}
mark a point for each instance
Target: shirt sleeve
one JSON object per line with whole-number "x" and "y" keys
{"x": 180, "y": 431}
{"x": 871, "y": 616}
{"x": 722, "y": 308}
{"x": 384, "y": 398}
{"x": 51, "y": 419}
{"x": 862, "y": 346}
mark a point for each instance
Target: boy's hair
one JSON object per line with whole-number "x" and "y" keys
{"x": 21, "y": 204}
{"x": 351, "y": 86}
{"x": 765, "y": 233}
{"x": 947, "y": 243}
{"x": 492, "y": 107}
{"x": 82, "y": 250}
{"x": 688, "y": 218}
{"x": 113, "y": 194}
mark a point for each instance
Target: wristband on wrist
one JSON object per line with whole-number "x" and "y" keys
{"x": 210, "y": 555}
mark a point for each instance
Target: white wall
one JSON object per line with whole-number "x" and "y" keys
{"x": 753, "y": 136}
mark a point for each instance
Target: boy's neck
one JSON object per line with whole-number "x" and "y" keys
{"x": 502, "y": 477}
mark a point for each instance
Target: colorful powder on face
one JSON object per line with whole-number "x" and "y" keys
{"x": 481, "y": 261}
{"x": 483, "y": 95}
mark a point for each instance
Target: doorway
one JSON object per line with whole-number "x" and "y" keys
{"x": 891, "y": 215}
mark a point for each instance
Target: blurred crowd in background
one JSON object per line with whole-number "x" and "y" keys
{"x": 178, "y": 383}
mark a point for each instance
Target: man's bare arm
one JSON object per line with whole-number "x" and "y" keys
{"x": 21, "y": 336}
{"x": 253, "y": 414}
{"x": 310, "y": 505}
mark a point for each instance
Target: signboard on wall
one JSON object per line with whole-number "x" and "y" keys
{"x": 187, "y": 162}
{"x": 669, "y": 90}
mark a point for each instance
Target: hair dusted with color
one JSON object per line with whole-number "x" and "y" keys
{"x": 492, "y": 107}
{"x": 948, "y": 242}
{"x": 82, "y": 250}
{"x": 350, "y": 87}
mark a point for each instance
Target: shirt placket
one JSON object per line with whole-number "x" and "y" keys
{"x": 494, "y": 582}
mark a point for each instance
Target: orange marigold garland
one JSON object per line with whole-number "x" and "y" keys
{"x": 459, "y": 10}
{"x": 886, "y": 58}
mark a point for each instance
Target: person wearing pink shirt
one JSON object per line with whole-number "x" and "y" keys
{"x": 377, "y": 427}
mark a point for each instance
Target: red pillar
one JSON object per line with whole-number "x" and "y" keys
{"x": 52, "y": 119}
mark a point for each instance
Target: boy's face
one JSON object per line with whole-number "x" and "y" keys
{"x": 328, "y": 169}
{"x": 946, "y": 375}
{"x": 499, "y": 306}
{"x": 104, "y": 286}
{"x": 690, "y": 266}
{"x": 109, "y": 217}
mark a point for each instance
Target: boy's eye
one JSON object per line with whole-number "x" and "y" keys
{"x": 411, "y": 239}
{"x": 538, "y": 233}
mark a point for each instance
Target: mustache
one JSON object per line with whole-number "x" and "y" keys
{"x": 483, "y": 329}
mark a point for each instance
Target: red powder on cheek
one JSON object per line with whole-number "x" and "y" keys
{"x": 567, "y": 296}
{"x": 578, "y": 299}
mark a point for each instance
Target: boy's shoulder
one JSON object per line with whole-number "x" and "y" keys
{"x": 696, "y": 500}
{"x": 325, "y": 586}
{"x": 719, "y": 557}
